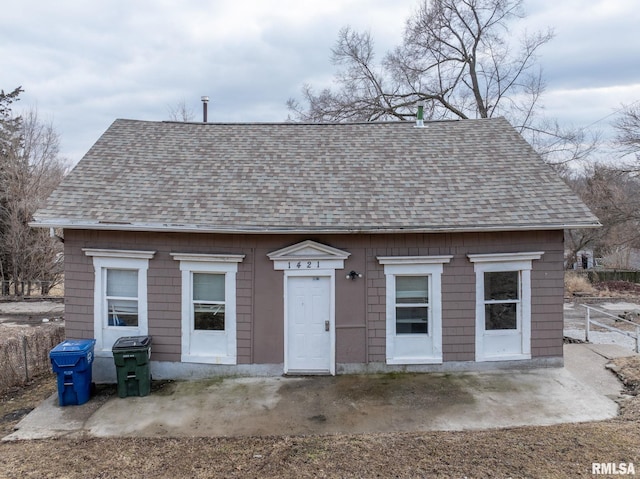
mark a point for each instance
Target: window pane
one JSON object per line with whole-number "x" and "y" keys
{"x": 501, "y": 285}
{"x": 500, "y": 316}
{"x": 412, "y": 320}
{"x": 122, "y": 282}
{"x": 412, "y": 289}
{"x": 208, "y": 317}
{"x": 122, "y": 312}
{"x": 208, "y": 287}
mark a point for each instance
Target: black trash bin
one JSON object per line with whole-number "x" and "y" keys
{"x": 72, "y": 361}
{"x": 131, "y": 357}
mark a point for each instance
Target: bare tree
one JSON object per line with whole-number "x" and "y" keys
{"x": 457, "y": 57}
{"x": 627, "y": 126}
{"x": 180, "y": 112}
{"x": 31, "y": 169}
{"x": 9, "y": 142}
{"x": 611, "y": 193}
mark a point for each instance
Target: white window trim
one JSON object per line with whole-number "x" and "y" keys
{"x": 521, "y": 262}
{"x": 431, "y": 266}
{"x": 104, "y": 259}
{"x": 226, "y": 264}
{"x": 504, "y": 257}
{"x": 118, "y": 253}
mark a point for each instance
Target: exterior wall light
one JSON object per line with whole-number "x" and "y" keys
{"x": 353, "y": 275}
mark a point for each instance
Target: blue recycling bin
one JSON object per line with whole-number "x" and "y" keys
{"x": 71, "y": 360}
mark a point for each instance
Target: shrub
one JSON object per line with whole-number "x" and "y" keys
{"x": 577, "y": 283}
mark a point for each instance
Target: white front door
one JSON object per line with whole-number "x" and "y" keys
{"x": 309, "y": 325}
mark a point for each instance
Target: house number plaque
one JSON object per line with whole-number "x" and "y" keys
{"x": 303, "y": 264}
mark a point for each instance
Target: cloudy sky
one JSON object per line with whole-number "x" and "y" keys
{"x": 84, "y": 64}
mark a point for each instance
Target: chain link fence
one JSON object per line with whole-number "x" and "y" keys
{"x": 24, "y": 353}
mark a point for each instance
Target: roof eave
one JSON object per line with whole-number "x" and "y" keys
{"x": 184, "y": 228}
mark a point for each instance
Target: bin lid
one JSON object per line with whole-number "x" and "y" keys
{"x": 73, "y": 346}
{"x": 132, "y": 342}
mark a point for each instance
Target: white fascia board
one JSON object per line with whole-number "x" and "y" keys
{"x": 180, "y": 228}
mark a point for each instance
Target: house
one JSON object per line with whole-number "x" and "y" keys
{"x": 263, "y": 249}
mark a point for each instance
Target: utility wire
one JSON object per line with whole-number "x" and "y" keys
{"x": 615, "y": 112}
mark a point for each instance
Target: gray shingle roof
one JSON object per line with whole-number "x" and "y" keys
{"x": 450, "y": 175}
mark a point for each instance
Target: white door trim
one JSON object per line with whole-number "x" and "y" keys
{"x": 331, "y": 274}
{"x": 310, "y": 258}
{"x": 521, "y": 262}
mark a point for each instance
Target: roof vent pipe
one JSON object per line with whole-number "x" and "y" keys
{"x": 205, "y": 101}
{"x": 420, "y": 117}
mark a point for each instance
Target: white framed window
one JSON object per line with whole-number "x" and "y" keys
{"x": 209, "y": 328}
{"x": 412, "y": 304}
{"x": 503, "y": 305}
{"x": 208, "y": 301}
{"x": 120, "y": 295}
{"x": 502, "y": 299}
{"x": 413, "y": 308}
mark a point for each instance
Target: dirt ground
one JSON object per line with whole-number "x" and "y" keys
{"x": 559, "y": 451}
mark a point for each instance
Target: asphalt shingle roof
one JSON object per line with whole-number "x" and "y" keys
{"x": 450, "y": 175}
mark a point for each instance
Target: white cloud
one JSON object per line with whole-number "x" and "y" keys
{"x": 595, "y": 43}
{"x": 590, "y": 108}
{"x": 87, "y": 63}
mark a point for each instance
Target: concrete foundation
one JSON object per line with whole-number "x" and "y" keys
{"x": 104, "y": 371}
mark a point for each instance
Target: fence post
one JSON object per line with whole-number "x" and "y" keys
{"x": 586, "y": 326}
{"x": 26, "y": 364}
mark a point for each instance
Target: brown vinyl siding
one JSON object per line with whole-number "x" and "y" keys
{"x": 360, "y": 304}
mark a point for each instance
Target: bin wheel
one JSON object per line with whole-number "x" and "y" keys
{"x": 94, "y": 389}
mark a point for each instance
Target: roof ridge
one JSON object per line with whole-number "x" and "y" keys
{"x": 295, "y": 123}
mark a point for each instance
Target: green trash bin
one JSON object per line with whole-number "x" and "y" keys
{"x": 131, "y": 356}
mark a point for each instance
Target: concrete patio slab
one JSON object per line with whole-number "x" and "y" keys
{"x": 582, "y": 391}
